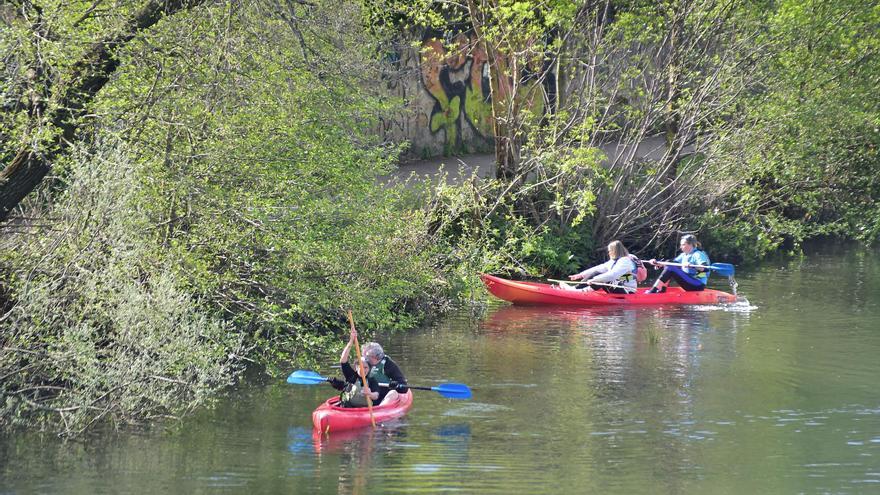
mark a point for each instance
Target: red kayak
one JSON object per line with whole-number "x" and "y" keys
{"x": 330, "y": 416}
{"x": 534, "y": 293}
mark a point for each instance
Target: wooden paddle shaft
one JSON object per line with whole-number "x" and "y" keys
{"x": 576, "y": 282}
{"x": 362, "y": 372}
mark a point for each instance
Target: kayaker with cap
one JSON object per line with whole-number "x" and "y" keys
{"x": 694, "y": 272}
{"x": 380, "y": 369}
{"x": 619, "y": 271}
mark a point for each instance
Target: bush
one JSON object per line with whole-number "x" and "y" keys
{"x": 99, "y": 327}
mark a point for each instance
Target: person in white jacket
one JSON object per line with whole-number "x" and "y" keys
{"x": 617, "y": 275}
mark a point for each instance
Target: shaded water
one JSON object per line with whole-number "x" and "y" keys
{"x": 777, "y": 395}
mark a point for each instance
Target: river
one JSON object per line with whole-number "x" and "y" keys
{"x": 775, "y": 394}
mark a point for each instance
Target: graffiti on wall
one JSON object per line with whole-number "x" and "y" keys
{"x": 458, "y": 81}
{"x": 456, "y": 75}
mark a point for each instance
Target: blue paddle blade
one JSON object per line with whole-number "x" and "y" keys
{"x": 723, "y": 269}
{"x": 305, "y": 377}
{"x": 453, "y": 390}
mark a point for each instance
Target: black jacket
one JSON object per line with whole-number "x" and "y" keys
{"x": 391, "y": 370}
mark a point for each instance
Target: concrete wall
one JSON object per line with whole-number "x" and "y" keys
{"x": 445, "y": 90}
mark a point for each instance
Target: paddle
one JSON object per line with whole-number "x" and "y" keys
{"x": 576, "y": 282}
{"x": 723, "y": 269}
{"x": 361, "y": 371}
{"x": 448, "y": 390}
{"x": 306, "y": 377}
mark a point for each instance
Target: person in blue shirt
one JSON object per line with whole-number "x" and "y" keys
{"x": 691, "y": 276}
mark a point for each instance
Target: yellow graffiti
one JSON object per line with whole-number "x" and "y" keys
{"x": 455, "y": 74}
{"x": 460, "y": 102}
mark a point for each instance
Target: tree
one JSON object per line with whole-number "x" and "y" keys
{"x": 809, "y": 164}
{"x": 47, "y": 97}
{"x": 224, "y": 209}
{"x": 581, "y": 89}
{"x": 657, "y": 92}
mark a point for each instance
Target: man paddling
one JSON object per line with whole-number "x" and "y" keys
{"x": 380, "y": 369}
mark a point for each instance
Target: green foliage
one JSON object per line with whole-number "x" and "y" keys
{"x": 811, "y": 164}
{"x": 251, "y": 194}
{"x": 100, "y": 328}
{"x": 739, "y": 240}
{"x": 271, "y": 209}
{"x": 567, "y": 172}
{"x": 226, "y": 208}
{"x": 487, "y": 230}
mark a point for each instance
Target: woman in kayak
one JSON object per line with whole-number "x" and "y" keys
{"x": 691, "y": 276}
{"x": 380, "y": 369}
{"x": 617, "y": 275}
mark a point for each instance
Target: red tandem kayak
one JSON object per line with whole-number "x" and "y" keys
{"x": 534, "y": 293}
{"x": 330, "y": 417}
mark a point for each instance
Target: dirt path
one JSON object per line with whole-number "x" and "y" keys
{"x": 457, "y": 168}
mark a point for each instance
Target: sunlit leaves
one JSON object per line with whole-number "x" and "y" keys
{"x": 812, "y": 156}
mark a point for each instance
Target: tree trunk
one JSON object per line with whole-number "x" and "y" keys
{"x": 19, "y": 178}
{"x": 499, "y": 91}
{"x": 78, "y": 88}
{"x": 672, "y": 118}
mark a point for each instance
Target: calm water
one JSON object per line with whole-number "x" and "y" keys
{"x": 775, "y": 395}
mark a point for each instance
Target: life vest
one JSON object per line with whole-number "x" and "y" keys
{"x": 640, "y": 272}
{"x": 377, "y": 373}
{"x": 634, "y": 274}
{"x": 695, "y": 259}
{"x": 353, "y": 395}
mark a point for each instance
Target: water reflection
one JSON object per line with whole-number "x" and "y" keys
{"x": 360, "y": 440}
{"x": 299, "y": 440}
{"x": 625, "y": 345}
{"x": 358, "y": 452}
{"x": 454, "y": 442}
{"x": 386, "y": 455}
{"x": 620, "y": 368}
